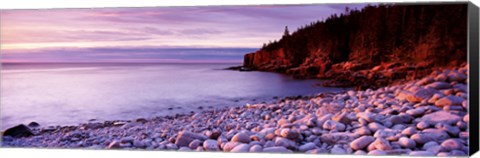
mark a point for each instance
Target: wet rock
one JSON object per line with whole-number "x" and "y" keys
{"x": 361, "y": 142}
{"x": 276, "y": 149}
{"x": 18, "y": 131}
{"x": 184, "y": 138}
{"x": 33, "y": 124}
{"x": 241, "y": 148}
{"x": 210, "y": 145}
{"x": 241, "y": 137}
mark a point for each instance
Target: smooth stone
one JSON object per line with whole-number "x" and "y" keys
{"x": 377, "y": 152}
{"x": 400, "y": 119}
{"x": 279, "y": 141}
{"x": 338, "y": 138}
{"x": 416, "y": 112}
{"x": 210, "y": 145}
{"x": 337, "y": 150}
{"x": 435, "y": 149}
{"x": 363, "y": 131}
{"x": 457, "y": 153}
{"x": 421, "y": 153}
{"x": 449, "y": 101}
{"x": 366, "y": 116}
{"x": 288, "y": 133}
{"x": 440, "y": 117}
{"x": 184, "y": 148}
{"x": 374, "y": 126}
{"x": 127, "y": 140}
{"x": 420, "y": 95}
{"x": 114, "y": 145}
{"x": 451, "y": 144}
{"x": 360, "y": 152}
{"x": 241, "y": 148}
{"x": 256, "y": 148}
{"x": 184, "y": 138}
{"x": 307, "y": 146}
{"x": 230, "y": 145}
{"x": 423, "y": 125}
{"x": 194, "y": 144}
{"x": 276, "y": 149}
{"x": 241, "y": 137}
{"x": 33, "y": 124}
{"x": 317, "y": 151}
{"x": 429, "y": 145}
{"x": 439, "y": 85}
{"x": 407, "y": 143}
{"x": 409, "y": 131}
{"x": 361, "y": 142}
{"x": 139, "y": 144}
{"x": 334, "y": 125}
{"x": 382, "y": 144}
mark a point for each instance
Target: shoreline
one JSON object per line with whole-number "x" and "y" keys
{"x": 425, "y": 117}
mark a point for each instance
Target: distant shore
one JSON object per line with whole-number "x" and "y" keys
{"x": 425, "y": 117}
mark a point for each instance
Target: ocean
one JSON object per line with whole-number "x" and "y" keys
{"x": 69, "y": 94}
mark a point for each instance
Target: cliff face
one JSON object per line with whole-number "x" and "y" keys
{"x": 376, "y": 45}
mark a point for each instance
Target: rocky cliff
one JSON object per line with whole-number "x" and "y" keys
{"x": 372, "y": 47}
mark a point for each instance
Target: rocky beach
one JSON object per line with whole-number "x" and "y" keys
{"x": 421, "y": 117}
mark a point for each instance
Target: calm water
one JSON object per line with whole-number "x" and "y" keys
{"x": 69, "y": 94}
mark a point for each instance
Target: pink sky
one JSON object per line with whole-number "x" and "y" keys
{"x": 28, "y": 31}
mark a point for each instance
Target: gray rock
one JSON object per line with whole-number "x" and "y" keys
{"x": 420, "y": 95}
{"x": 333, "y": 125}
{"x": 171, "y": 146}
{"x": 360, "y": 152}
{"x": 421, "y": 153}
{"x": 241, "y": 137}
{"x": 400, "y": 119}
{"x": 127, "y": 140}
{"x": 407, "y": 143}
{"x": 451, "y": 144}
{"x": 375, "y": 126}
{"x": 210, "y": 145}
{"x": 366, "y": 116}
{"x": 449, "y": 101}
{"x": 139, "y": 144}
{"x": 338, "y": 138}
{"x": 423, "y": 125}
{"x": 435, "y": 149}
{"x": 429, "y": 145}
{"x": 361, "y": 142}
{"x": 454, "y": 131}
{"x": 277, "y": 149}
{"x": 457, "y": 153}
{"x": 184, "y": 138}
{"x": 241, "y": 148}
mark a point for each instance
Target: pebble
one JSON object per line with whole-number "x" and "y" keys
{"x": 421, "y": 153}
{"x": 451, "y": 144}
{"x": 241, "y": 137}
{"x": 210, "y": 145}
{"x": 241, "y": 148}
{"x": 288, "y": 133}
{"x": 382, "y": 144}
{"x": 256, "y": 148}
{"x": 334, "y": 125}
{"x": 277, "y": 149}
{"x": 407, "y": 143}
{"x": 307, "y": 146}
{"x": 361, "y": 142}
{"x": 377, "y": 152}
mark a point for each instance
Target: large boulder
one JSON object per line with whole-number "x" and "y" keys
{"x": 18, "y": 131}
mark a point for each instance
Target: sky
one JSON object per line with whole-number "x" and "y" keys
{"x": 154, "y": 34}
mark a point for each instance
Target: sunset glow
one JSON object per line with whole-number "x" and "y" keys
{"x": 38, "y": 32}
